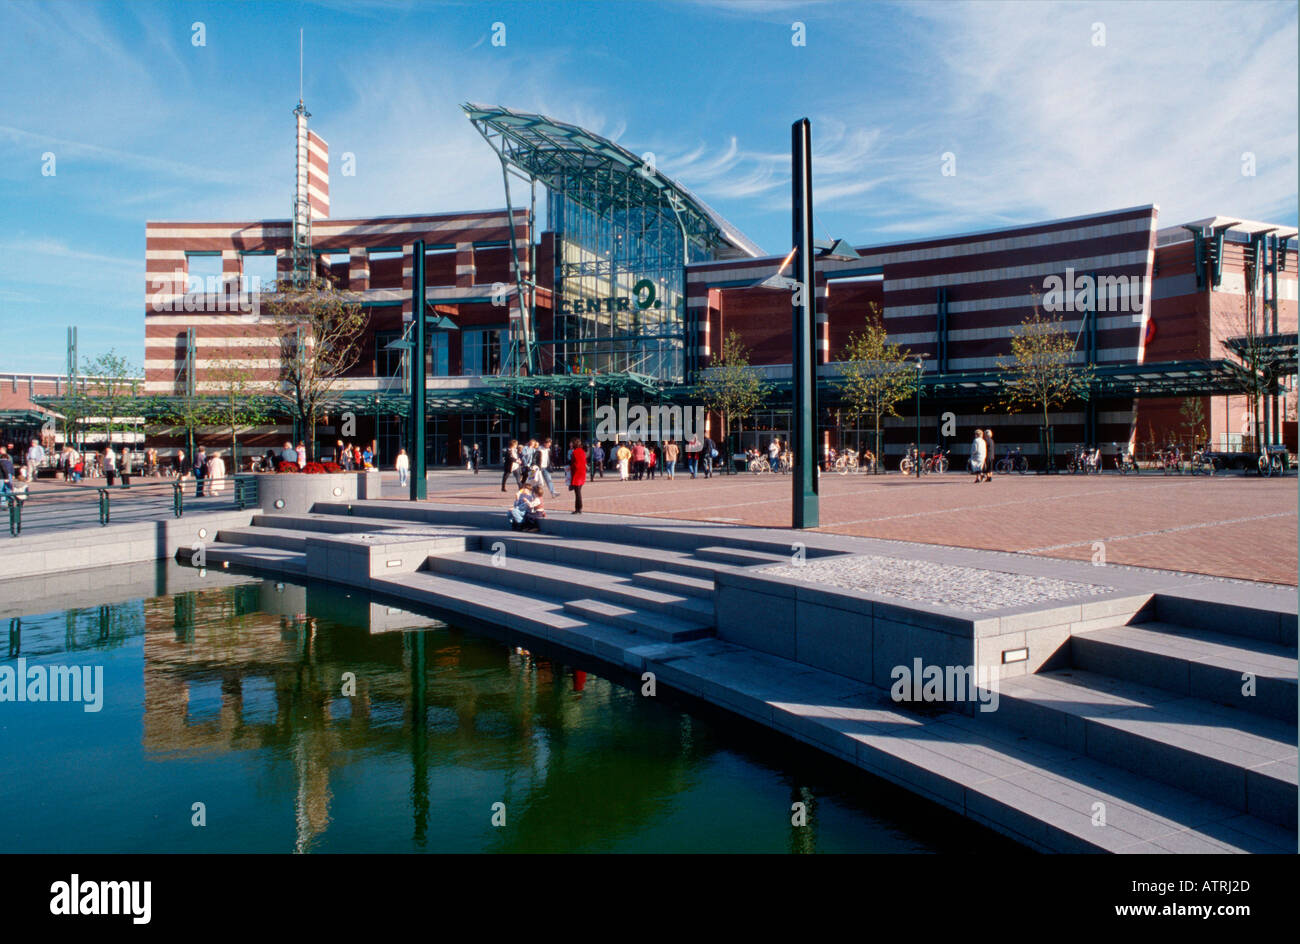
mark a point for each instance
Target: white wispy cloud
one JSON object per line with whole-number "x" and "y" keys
{"x": 1042, "y": 122}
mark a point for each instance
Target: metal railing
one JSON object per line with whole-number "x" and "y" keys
{"x": 52, "y": 507}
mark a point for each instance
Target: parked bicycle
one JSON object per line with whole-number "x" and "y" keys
{"x": 1012, "y": 461}
{"x": 1083, "y": 460}
{"x": 1168, "y": 460}
{"x": 1125, "y": 462}
{"x": 1270, "y": 463}
{"x": 846, "y": 462}
{"x": 1205, "y": 464}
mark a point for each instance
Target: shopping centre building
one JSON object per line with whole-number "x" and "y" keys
{"x": 622, "y": 296}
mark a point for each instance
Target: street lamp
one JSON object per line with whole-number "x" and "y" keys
{"x": 920, "y": 371}
{"x": 591, "y": 423}
{"x": 803, "y": 413}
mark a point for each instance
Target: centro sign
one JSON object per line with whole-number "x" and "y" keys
{"x": 643, "y": 293}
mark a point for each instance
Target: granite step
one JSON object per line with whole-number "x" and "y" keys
{"x": 677, "y": 583}
{"x": 654, "y": 625}
{"x": 565, "y": 582}
{"x": 1194, "y": 662}
{"x": 603, "y": 555}
{"x": 283, "y": 538}
{"x": 328, "y": 524}
{"x": 271, "y": 559}
{"x": 543, "y": 617}
{"x": 1048, "y": 797}
{"x": 1241, "y": 759}
{"x": 742, "y": 557}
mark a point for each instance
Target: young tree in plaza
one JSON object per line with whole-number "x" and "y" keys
{"x": 876, "y": 374}
{"x": 1041, "y": 373}
{"x": 237, "y": 396}
{"x": 320, "y": 340}
{"x": 730, "y": 387}
{"x": 186, "y": 412}
{"x": 1192, "y": 411}
{"x": 1243, "y": 331}
{"x": 112, "y": 384}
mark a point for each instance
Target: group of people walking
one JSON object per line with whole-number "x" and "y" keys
{"x": 639, "y": 461}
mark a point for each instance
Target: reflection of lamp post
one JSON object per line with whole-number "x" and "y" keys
{"x": 920, "y": 370}
{"x": 416, "y": 434}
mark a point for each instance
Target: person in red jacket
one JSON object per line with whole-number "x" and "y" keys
{"x": 577, "y": 473}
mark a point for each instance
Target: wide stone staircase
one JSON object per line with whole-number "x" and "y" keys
{"x": 530, "y": 582}
{"x": 1209, "y": 711}
{"x": 1175, "y": 728}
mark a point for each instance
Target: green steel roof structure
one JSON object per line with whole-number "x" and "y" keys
{"x": 556, "y": 153}
{"x": 1161, "y": 379}
{"x": 1273, "y": 354}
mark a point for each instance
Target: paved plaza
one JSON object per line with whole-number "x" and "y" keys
{"x": 1228, "y": 525}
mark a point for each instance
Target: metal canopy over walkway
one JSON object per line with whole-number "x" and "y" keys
{"x": 1162, "y": 379}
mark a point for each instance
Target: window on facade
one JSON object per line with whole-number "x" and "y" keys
{"x": 258, "y": 273}
{"x": 481, "y": 351}
{"x": 203, "y": 271}
{"x": 388, "y": 361}
{"x": 439, "y": 364}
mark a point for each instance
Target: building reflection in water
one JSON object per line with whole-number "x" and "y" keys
{"x": 246, "y": 668}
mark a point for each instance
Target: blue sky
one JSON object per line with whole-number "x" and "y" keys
{"x": 1043, "y": 122}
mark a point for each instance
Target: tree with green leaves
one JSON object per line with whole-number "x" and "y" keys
{"x": 876, "y": 374}
{"x": 188, "y": 412}
{"x": 320, "y": 332}
{"x": 238, "y": 398}
{"x": 112, "y": 383}
{"x": 1041, "y": 373}
{"x": 730, "y": 387}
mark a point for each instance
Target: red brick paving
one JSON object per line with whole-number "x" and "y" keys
{"x": 1228, "y": 525}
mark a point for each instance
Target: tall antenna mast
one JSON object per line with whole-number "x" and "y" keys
{"x": 301, "y": 271}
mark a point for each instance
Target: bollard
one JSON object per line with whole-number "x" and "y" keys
{"x": 103, "y": 506}
{"x": 178, "y": 500}
{"x": 15, "y": 517}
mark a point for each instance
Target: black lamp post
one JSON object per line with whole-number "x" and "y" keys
{"x": 920, "y": 371}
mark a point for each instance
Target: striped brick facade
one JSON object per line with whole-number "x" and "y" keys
{"x": 480, "y": 241}
{"x": 989, "y": 278}
{"x": 989, "y": 282}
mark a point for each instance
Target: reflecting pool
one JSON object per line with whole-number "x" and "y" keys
{"x": 242, "y": 714}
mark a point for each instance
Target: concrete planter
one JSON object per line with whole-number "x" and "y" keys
{"x": 295, "y": 492}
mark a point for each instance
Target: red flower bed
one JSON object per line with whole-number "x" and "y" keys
{"x": 288, "y": 467}
{"x": 332, "y": 467}
{"x": 314, "y": 468}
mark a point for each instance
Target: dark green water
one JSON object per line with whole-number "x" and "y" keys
{"x": 233, "y": 697}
